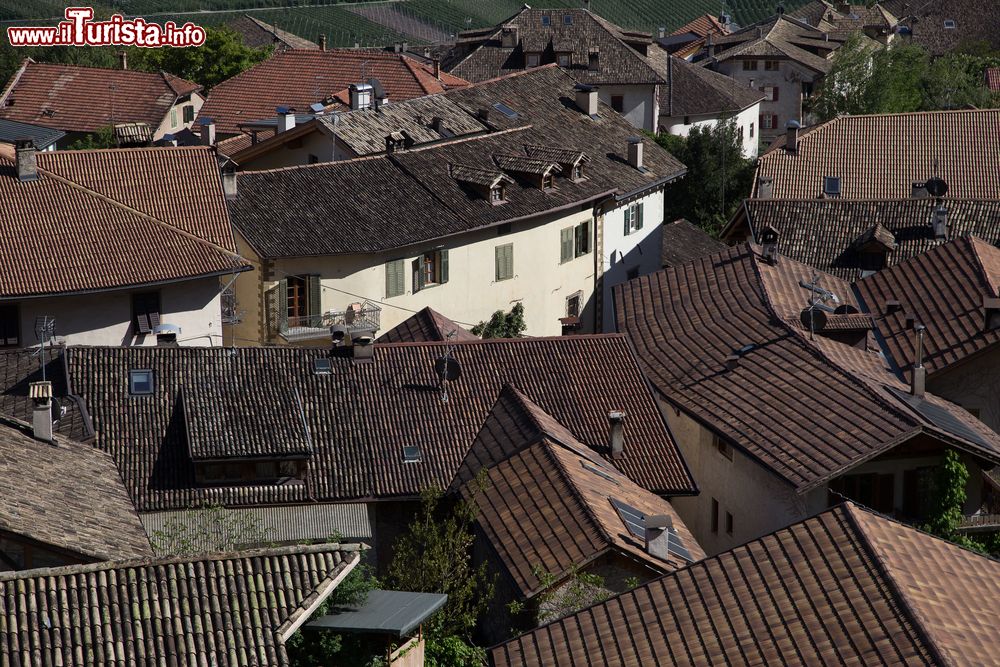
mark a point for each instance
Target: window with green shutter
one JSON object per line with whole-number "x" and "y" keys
{"x": 505, "y": 261}
{"x": 582, "y": 238}
{"x": 315, "y": 294}
{"x": 395, "y": 277}
{"x": 566, "y": 245}
{"x": 430, "y": 268}
{"x": 633, "y": 218}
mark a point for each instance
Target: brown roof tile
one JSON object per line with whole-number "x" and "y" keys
{"x": 426, "y": 326}
{"x": 881, "y": 156}
{"x": 779, "y": 36}
{"x": 66, "y": 494}
{"x": 993, "y": 79}
{"x": 257, "y": 34}
{"x": 220, "y": 609}
{"x": 84, "y": 99}
{"x": 927, "y": 23}
{"x": 684, "y": 242}
{"x": 703, "y": 26}
{"x": 298, "y": 78}
{"x": 844, "y": 587}
{"x": 691, "y": 90}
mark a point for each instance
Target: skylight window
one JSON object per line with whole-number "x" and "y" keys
{"x": 546, "y": 20}
{"x": 567, "y": 19}
{"x": 950, "y": 24}
{"x": 831, "y": 186}
{"x": 140, "y": 382}
{"x": 411, "y": 454}
{"x": 505, "y": 110}
{"x": 635, "y": 522}
{"x": 322, "y": 366}
{"x": 600, "y": 473}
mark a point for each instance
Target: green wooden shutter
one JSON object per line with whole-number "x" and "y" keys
{"x": 638, "y": 215}
{"x": 504, "y": 261}
{"x": 418, "y": 274}
{"x": 395, "y": 277}
{"x": 565, "y": 245}
{"x": 315, "y": 295}
{"x": 282, "y": 314}
{"x": 498, "y": 253}
{"x": 443, "y": 258}
{"x": 628, "y": 220}
{"x": 509, "y": 265}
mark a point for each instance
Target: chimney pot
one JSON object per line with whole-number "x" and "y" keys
{"x": 26, "y": 160}
{"x": 123, "y": 59}
{"x": 586, "y": 99}
{"x": 286, "y": 119}
{"x": 792, "y": 136}
{"x": 616, "y": 418}
{"x": 229, "y": 182}
{"x": 940, "y": 223}
{"x": 41, "y": 416}
{"x": 322, "y": 42}
{"x": 208, "y": 132}
{"x": 362, "y": 349}
{"x": 635, "y": 153}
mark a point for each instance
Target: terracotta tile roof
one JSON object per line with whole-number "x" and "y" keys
{"x": 84, "y": 99}
{"x": 684, "y": 242}
{"x": 257, "y": 34}
{"x": 993, "y": 79}
{"x": 926, "y": 20}
{"x": 298, "y": 78}
{"x": 703, "y": 26}
{"x": 687, "y": 322}
{"x": 357, "y": 453}
{"x": 66, "y": 494}
{"x": 18, "y": 369}
{"x": 825, "y": 233}
{"x": 82, "y": 227}
{"x": 779, "y": 36}
{"x": 219, "y": 609}
{"x": 692, "y": 90}
{"x": 942, "y": 289}
{"x": 422, "y": 194}
{"x": 846, "y": 586}
{"x": 426, "y": 326}
{"x": 619, "y": 62}
{"x": 881, "y": 156}
{"x": 837, "y": 17}
{"x": 548, "y": 497}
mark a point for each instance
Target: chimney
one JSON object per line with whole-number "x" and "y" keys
{"x": 207, "y": 131}
{"x": 123, "y": 59}
{"x": 658, "y": 529}
{"x": 918, "y": 190}
{"x": 361, "y": 96}
{"x": 404, "y": 47}
{"x": 397, "y": 47}
{"x": 508, "y": 36}
{"x": 892, "y": 306}
{"x": 732, "y": 361}
{"x": 940, "y": 223}
{"x": 765, "y": 187}
{"x": 437, "y": 67}
{"x": 286, "y": 119}
{"x": 427, "y": 52}
{"x": 26, "y": 160}
{"x": 322, "y": 42}
{"x": 362, "y": 349}
{"x": 586, "y": 99}
{"x": 635, "y": 153}
{"x": 437, "y": 124}
{"x": 769, "y": 244}
{"x": 616, "y": 419}
{"x": 229, "y": 181}
{"x": 710, "y": 45}
{"x": 661, "y": 32}
{"x": 919, "y": 372}
{"x": 792, "y": 136}
{"x": 991, "y": 310}
{"x": 41, "y": 416}
{"x": 483, "y": 115}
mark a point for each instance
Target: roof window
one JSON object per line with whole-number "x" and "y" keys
{"x": 411, "y": 454}
{"x": 546, "y": 20}
{"x": 322, "y": 366}
{"x": 505, "y": 110}
{"x": 567, "y": 19}
{"x": 950, "y": 24}
{"x": 140, "y": 382}
{"x": 600, "y": 473}
{"x": 831, "y": 186}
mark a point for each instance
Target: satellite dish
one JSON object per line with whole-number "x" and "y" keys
{"x": 845, "y": 309}
{"x": 813, "y": 319}
{"x": 936, "y": 187}
{"x": 448, "y": 369}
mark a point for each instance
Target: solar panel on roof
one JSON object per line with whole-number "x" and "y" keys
{"x": 941, "y": 418}
{"x": 505, "y": 110}
{"x": 635, "y": 521}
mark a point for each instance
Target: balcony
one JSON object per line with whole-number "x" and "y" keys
{"x": 359, "y": 318}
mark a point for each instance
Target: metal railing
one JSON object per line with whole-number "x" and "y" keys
{"x": 358, "y": 318}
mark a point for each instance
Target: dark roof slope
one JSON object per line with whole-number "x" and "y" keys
{"x": 846, "y": 586}
{"x": 824, "y": 233}
{"x": 547, "y": 500}
{"x": 780, "y": 36}
{"x": 42, "y": 137}
{"x": 684, "y": 242}
{"x": 361, "y": 415}
{"x": 84, "y": 99}
{"x": 926, "y": 19}
{"x": 619, "y": 63}
{"x": 692, "y": 90}
{"x": 68, "y": 495}
{"x": 881, "y": 156}
{"x": 426, "y": 326}
{"x": 785, "y": 400}
{"x": 219, "y": 609}
{"x": 943, "y": 289}
{"x": 257, "y": 34}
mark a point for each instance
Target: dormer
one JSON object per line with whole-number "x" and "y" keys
{"x": 873, "y": 246}
{"x": 594, "y": 59}
{"x": 572, "y": 163}
{"x": 536, "y": 172}
{"x": 508, "y": 36}
{"x": 489, "y": 184}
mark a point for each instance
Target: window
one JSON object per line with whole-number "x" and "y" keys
{"x": 431, "y": 268}
{"x": 581, "y": 239}
{"x": 729, "y": 523}
{"x": 567, "y": 19}
{"x": 751, "y": 130}
{"x": 749, "y": 65}
{"x": 295, "y": 290}
{"x": 313, "y": 159}
{"x": 188, "y": 114}
{"x": 593, "y": 60}
{"x": 871, "y": 489}
{"x": 145, "y": 312}
{"x": 565, "y": 60}
{"x": 288, "y": 469}
{"x": 265, "y": 470}
{"x": 546, "y": 20}
{"x": 950, "y": 24}
{"x": 173, "y": 117}
{"x": 395, "y": 277}
{"x": 504, "y": 257}
{"x": 577, "y": 172}
{"x": 768, "y": 121}
{"x": 10, "y": 326}
{"x": 532, "y": 59}
{"x": 322, "y": 366}
{"x": 498, "y": 194}
{"x": 411, "y": 454}
{"x": 574, "y": 304}
{"x": 770, "y": 65}
{"x": 618, "y": 103}
{"x": 505, "y": 110}
{"x": 807, "y": 88}
{"x": 547, "y": 183}
{"x": 831, "y": 186}
{"x": 771, "y": 93}
{"x": 140, "y": 382}
{"x": 565, "y": 245}
{"x": 633, "y": 218}
{"x": 715, "y": 515}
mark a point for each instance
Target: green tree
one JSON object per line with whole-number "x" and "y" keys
{"x": 103, "y": 138}
{"x": 718, "y": 176}
{"x": 949, "y": 501}
{"x": 223, "y": 55}
{"x": 503, "y": 325}
{"x": 209, "y": 529}
{"x": 577, "y": 591}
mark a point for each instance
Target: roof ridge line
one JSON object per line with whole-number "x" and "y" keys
{"x": 984, "y": 275}
{"x": 14, "y": 80}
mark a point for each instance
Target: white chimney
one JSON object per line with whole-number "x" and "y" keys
{"x": 41, "y": 416}
{"x": 586, "y": 99}
{"x": 658, "y": 529}
{"x": 635, "y": 153}
{"x": 26, "y": 160}
{"x": 616, "y": 419}
{"x": 123, "y": 59}
{"x": 765, "y": 187}
{"x": 361, "y": 96}
{"x": 207, "y": 131}
{"x": 286, "y": 119}
{"x": 940, "y": 223}
{"x": 229, "y": 181}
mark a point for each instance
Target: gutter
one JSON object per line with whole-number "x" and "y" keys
{"x": 650, "y": 186}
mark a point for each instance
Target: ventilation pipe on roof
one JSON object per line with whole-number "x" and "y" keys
{"x": 26, "y": 159}
{"x": 792, "y": 136}
{"x": 658, "y": 535}
{"x": 919, "y": 380}
{"x": 322, "y": 42}
{"x": 586, "y": 99}
{"x": 229, "y": 181}
{"x": 940, "y": 223}
{"x": 362, "y": 349}
{"x": 123, "y": 59}
{"x": 207, "y": 131}
{"x": 41, "y": 415}
{"x": 286, "y": 119}
{"x": 635, "y": 153}
{"x": 765, "y": 187}
{"x": 616, "y": 419}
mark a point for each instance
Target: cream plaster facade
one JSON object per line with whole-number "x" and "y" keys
{"x": 747, "y": 123}
{"x": 173, "y": 120}
{"x": 793, "y": 81}
{"x": 639, "y": 103}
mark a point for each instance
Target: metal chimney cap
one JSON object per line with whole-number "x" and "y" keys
{"x": 616, "y": 415}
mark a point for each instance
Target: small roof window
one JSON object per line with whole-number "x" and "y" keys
{"x": 322, "y": 366}
{"x": 600, "y": 473}
{"x": 950, "y": 24}
{"x": 567, "y": 19}
{"x": 831, "y": 186}
{"x": 546, "y": 20}
{"x": 411, "y": 454}
{"x": 505, "y": 110}
{"x": 140, "y": 382}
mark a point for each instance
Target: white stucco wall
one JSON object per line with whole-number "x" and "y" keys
{"x": 166, "y": 127}
{"x": 789, "y": 78}
{"x": 621, "y": 252}
{"x": 316, "y": 143}
{"x": 105, "y": 318}
{"x": 638, "y": 104}
{"x": 747, "y": 121}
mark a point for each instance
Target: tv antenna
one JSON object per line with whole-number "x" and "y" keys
{"x": 447, "y": 366}
{"x": 45, "y": 328}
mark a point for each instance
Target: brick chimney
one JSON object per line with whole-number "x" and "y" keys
{"x": 41, "y": 415}
{"x": 207, "y": 131}
{"x": 616, "y": 437}
{"x": 26, "y": 160}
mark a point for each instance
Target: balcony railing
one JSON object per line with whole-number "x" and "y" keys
{"x": 359, "y": 318}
